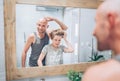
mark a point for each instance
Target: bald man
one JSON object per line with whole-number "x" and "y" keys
{"x": 38, "y": 40}
{"x": 107, "y": 32}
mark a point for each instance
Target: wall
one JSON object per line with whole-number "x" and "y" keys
{"x": 87, "y": 24}
{"x": 2, "y": 53}
{"x": 71, "y": 18}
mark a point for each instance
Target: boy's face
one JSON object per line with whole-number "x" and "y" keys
{"x": 56, "y": 40}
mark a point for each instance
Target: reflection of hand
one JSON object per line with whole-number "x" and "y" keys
{"x": 49, "y": 19}
{"x": 23, "y": 66}
{"x": 40, "y": 65}
{"x": 65, "y": 35}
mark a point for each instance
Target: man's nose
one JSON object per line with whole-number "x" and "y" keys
{"x": 40, "y": 27}
{"x": 94, "y": 31}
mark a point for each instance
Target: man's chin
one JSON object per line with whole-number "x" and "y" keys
{"x": 42, "y": 32}
{"x": 102, "y": 49}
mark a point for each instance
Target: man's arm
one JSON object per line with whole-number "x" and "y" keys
{"x": 26, "y": 47}
{"x": 61, "y": 24}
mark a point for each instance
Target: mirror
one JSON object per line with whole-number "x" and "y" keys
{"x": 28, "y": 15}
{"x": 75, "y": 18}
{"x": 13, "y": 72}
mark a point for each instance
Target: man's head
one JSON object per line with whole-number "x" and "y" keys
{"x": 107, "y": 29}
{"x": 42, "y": 25}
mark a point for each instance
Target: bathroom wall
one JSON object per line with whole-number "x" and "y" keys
{"x": 87, "y": 24}
{"x": 2, "y": 55}
{"x": 71, "y": 18}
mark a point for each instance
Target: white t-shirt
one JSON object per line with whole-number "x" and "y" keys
{"x": 54, "y": 56}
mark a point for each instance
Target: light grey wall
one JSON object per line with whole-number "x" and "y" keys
{"x": 2, "y": 52}
{"x": 87, "y": 23}
{"x": 71, "y": 18}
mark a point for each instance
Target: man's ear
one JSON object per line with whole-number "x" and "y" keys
{"x": 47, "y": 26}
{"x": 111, "y": 19}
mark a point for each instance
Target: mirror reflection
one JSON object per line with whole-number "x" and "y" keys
{"x": 79, "y": 22}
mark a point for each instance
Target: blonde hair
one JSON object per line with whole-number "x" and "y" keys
{"x": 57, "y": 32}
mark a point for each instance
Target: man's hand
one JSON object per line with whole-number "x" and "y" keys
{"x": 65, "y": 35}
{"x": 49, "y": 19}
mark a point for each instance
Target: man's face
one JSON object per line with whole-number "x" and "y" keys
{"x": 42, "y": 26}
{"x": 101, "y": 32}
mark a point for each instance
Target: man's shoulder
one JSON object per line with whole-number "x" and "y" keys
{"x": 31, "y": 37}
{"x": 102, "y": 70}
{"x": 110, "y": 64}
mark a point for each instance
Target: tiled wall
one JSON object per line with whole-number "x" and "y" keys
{"x": 2, "y": 55}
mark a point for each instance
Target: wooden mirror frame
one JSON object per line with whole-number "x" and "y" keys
{"x": 12, "y": 71}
